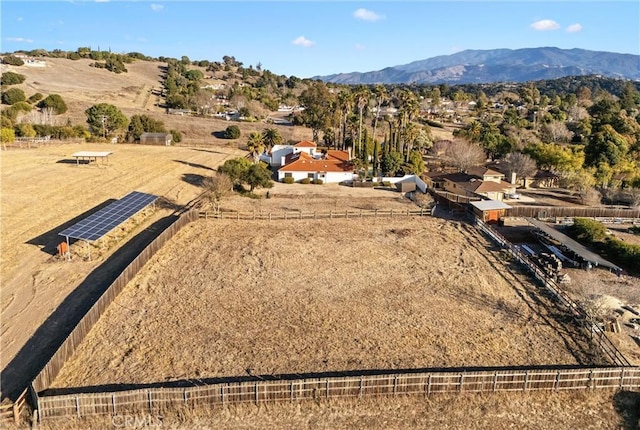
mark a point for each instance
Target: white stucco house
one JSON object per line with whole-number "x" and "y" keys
{"x": 331, "y": 167}
{"x": 276, "y": 157}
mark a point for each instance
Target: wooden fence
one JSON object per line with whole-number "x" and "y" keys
{"x": 568, "y": 211}
{"x": 11, "y": 412}
{"x": 272, "y": 216}
{"x": 46, "y": 376}
{"x": 393, "y": 384}
{"x": 595, "y": 331}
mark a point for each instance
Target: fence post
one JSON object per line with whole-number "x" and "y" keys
{"x": 184, "y": 396}
{"x": 222, "y": 393}
{"x": 429, "y": 385}
{"x": 495, "y": 380}
{"x": 557, "y": 382}
{"x": 622, "y": 377}
{"x": 526, "y": 380}
{"x": 113, "y": 402}
{"x": 461, "y": 382}
{"x": 150, "y": 401}
{"x": 395, "y": 384}
{"x": 77, "y": 406}
{"x": 327, "y": 388}
{"x": 361, "y": 382}
{"x": 256, "y": 390}
{"x": 291, "y": 398}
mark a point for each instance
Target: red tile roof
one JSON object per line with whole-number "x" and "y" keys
{"x": 305, "y": 144}
{"x": 304, "y": 164}
{"x": 338, "y": 155}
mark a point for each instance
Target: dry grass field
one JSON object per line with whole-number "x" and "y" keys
{"x": 599, "y": 410}
{"x": 43, "y": 189}
{"x": 228, "y": 298}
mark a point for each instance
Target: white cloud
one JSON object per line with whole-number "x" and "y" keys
{"x": 157, "y": 7}
{"x": 20, "y": 19}
{"x": 367, "y": 15}
{"x": 19, "y": 40}
{"x": 545, "y": 25}
{"x": 101, "y": 1}
{"x": 303, "y": 41}
{"x": 360, "y": 47}
{"x": 574, "y": 28}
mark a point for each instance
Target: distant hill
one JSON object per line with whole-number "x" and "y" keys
{"x": 500, "y": 65}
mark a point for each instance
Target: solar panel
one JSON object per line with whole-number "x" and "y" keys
{"x": 106, "y": 219}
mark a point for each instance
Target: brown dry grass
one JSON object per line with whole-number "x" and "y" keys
{"x": 225, "y": 298}
{"x": 598, "y": 410}
{"x": 41, "y": 192}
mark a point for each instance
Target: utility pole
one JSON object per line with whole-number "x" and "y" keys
{"x": 104, "y": 128}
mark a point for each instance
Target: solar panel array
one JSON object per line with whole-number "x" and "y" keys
{"x": 106, "y": 219}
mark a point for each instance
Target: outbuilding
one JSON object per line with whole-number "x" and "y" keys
{"x": 155, "y": 139}
{"x": 490, "y": 211}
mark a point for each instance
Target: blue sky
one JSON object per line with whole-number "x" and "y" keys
{"x": 307, "y": 38}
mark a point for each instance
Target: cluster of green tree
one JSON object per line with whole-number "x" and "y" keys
{"x": 241, "y": 171}
{"x": 259, "y": 142}
{"x": 353, "y": 118}
{"x": 183, "y": 87}
{"x": 594, "y": 234}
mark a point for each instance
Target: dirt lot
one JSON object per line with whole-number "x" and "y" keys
{"x": 311, "y": 296}
{"x": 42, "y": 190}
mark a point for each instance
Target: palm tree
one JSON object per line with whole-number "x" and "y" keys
{"x": 255, "y": 144}
{"x": 345, "y": 105}
{"x": 381, "y": 97}
{"x": 271, "y": 137}
{"x": 362, "y": 98}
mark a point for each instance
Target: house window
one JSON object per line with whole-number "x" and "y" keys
{"x": 288, "y": 175}
{"x": 310, "y": 175}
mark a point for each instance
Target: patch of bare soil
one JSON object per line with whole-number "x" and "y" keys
{"x": 595, "y": 410}
{"x": 227, "y": 298}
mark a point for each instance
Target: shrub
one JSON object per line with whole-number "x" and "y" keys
{"x": 176, "y": 136}
{"x": 55, "y": 102}
{"x": 232, "y": 132}
{"x": 11, "y": 78}
{"x": 12, "y": 96}
{"x": 35, "y": 98}
{"x": 7, "y": 135}
{"x": 386, "y": 183}
{"x": 13, "y": 60}
{"x": 288, "y": 180}
{"x": 24, "y": 130}
{"x": 317, "y": 181}
{"x": 305, "y": 181}
{"x": 588, "y": 230}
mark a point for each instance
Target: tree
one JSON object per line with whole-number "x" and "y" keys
{"x": 255, "y": 144}
{"x": 235, "y": 169}
{"x": 55, "y": 102}
{"x": 415, "y": 164}
{"x": 606, "y": 146}
{"x": 25, "y": 130}
{"x": 216, "y": 187}
{"x": 317, "y": 102}
{"x": 7, "y": 135}
{"x": 11, "y": 78}
{"x": 232, "y": 132}
{"x": 13, "y": 96}
{"x": 105, "y": 119}
{"x": 521, "y": 164}
{"x": 143, "y": 124}
{"x": 176, "y": 136}
{"x": 464, "y": 155}
{"x": 258, "y": 176}
{"x": 555, "y": 132}
{"x": 272, "y": 137}
{"x": 391, "y": 163}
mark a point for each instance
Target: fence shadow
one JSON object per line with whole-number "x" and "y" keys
{"x": 184, "y": 383}
{"x": 196, "y": 165}
{"x": 50, "y": 240}
{"x": 627, "y": 405}
{"x": 35, "y": 354}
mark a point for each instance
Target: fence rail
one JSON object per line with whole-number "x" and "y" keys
{"x": 46, "y": 376}
{"x": 392, "y": 384}
{"x": 273, "y": 216}
{"x": 568, "y": 211}
{"x": 11, "y": 412}
{"x": 596, "y": 332}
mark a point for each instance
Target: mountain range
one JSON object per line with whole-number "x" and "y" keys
{"x": 499, "y": 65}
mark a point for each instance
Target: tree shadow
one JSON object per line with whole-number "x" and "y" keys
{"x": 193, "y": 179}
{"x": 50, "y": 240}
{"x": 627, "y": 405}
{"x": 196, "y": 165}
{"x": 34, "y": 355}
{"x": 219, "y": 134}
